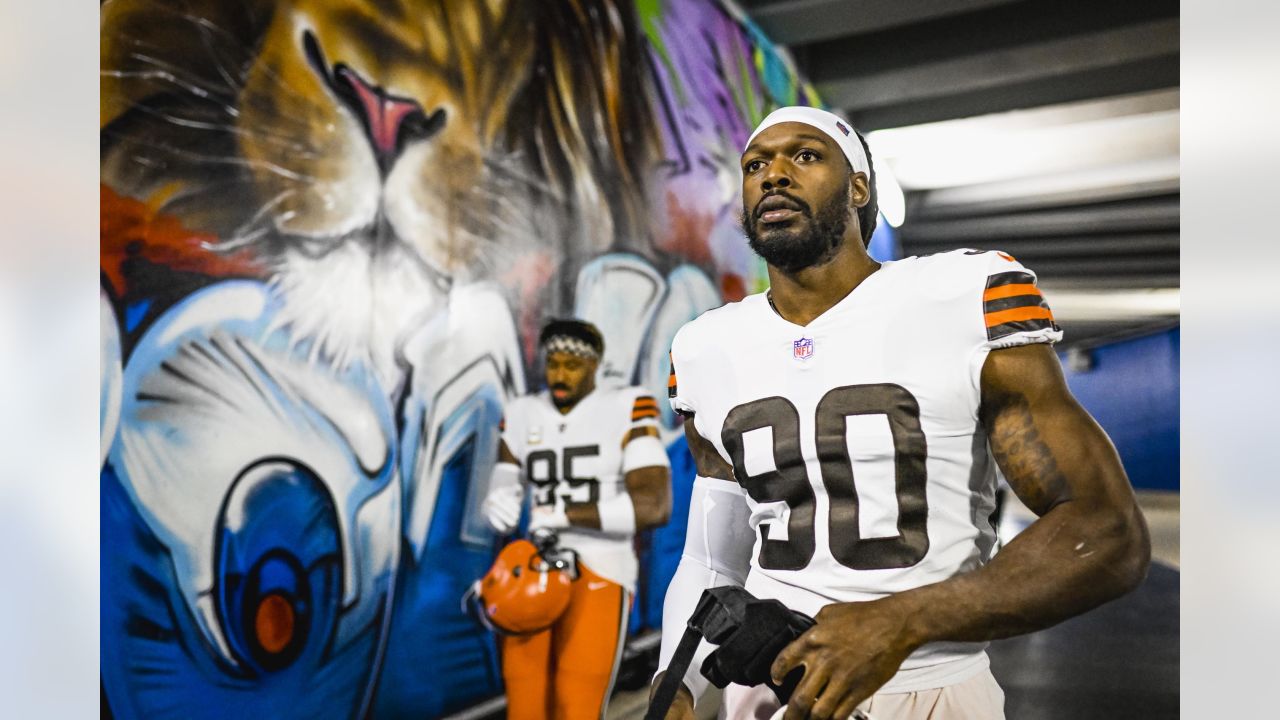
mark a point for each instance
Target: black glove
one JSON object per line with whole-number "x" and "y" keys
{"x": 751, "y": 633}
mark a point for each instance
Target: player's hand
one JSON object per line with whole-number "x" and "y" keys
{"x": 852, "y": 650}
{"x": 682, "y": 706}
{"x": 548, "y": 516}
{"x": 502, "y": 508}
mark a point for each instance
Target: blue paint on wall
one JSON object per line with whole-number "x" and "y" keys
{"x": 438, "y": 658}
{"x": 1132, "y": 390}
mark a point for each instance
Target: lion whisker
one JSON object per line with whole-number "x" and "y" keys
{"x": 187, "y": 80}
{"x": 238, "y": 241}
{"x": 160, "y": 75}
{"x": 305, "y": 151}
{"x": 266, "y": 207}
{"x": 253, "y": 164}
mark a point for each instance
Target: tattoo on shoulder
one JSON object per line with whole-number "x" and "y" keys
{"x": 1026, "y": 460}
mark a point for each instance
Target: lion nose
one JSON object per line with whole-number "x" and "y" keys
{"x": 391, "y": 122}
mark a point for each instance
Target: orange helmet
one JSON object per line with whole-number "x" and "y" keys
{"x": 527, "y": 589}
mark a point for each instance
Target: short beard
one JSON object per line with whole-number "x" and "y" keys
{"x": 816, "y": 245}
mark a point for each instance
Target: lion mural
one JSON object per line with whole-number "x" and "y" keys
{"x": 330, "y": 229}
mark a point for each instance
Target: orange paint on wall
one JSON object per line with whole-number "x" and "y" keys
{"x": 131, "y": 228}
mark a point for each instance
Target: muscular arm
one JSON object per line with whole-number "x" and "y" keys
{"x": 649, "y": 488}
{"x": 1088, "y": 546}
{"x": 1090, "y": 543}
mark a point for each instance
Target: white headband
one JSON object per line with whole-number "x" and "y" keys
{"x": 571, "y": 345}
{"x": 830, "y": 124}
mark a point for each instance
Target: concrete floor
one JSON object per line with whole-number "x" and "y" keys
{"x": 1120, "y": 661}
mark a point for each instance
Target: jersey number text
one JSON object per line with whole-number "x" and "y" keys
{"x": 789, "y": 483}
{"x": 540, "y": 467}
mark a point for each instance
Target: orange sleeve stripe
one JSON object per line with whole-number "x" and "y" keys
{"x": 671, "y": 380}
{"x": 1004, "y": 291}
{"x": 646, "y": 400}
{"x": 1017, "y": 315}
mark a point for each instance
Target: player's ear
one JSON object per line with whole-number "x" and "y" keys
{"x": 859, "y": 189}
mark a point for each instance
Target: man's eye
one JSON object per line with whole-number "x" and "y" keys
{"x": 754, "y": 165}
{"x": 808, "y": 155}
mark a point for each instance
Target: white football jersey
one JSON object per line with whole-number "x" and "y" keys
{"x": 857, "y": 438}
{"x": 578, "y": 457}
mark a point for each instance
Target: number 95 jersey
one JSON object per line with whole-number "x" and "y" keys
{"x": 578, "y": 458}
{"x": 856, "y": 438}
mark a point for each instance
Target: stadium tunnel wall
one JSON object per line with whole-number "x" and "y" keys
{"x": 1132, "y": 388}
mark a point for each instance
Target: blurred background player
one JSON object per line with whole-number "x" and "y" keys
{"x": 844, "y": 425}
{"x": 591, "y": 461}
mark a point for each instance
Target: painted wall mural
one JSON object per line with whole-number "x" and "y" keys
{"x": 330, "y": 231}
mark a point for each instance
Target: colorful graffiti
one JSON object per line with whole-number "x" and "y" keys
{"x": 330, "y": 230}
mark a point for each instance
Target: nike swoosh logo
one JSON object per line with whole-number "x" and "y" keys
{"x": 593, "y": 585}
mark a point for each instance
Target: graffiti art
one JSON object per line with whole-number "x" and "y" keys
{"x": 330, "y": 231}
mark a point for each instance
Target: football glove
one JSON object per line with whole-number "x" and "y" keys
{"x": 502, "y": 508}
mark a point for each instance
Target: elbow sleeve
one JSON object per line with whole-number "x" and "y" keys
{"x": 717, "y": 552}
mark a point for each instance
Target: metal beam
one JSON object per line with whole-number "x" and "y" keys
{"x": 1147, "y": 216}
{"x": 806, "y": 21}
{"x": 1075, "y": 246}
{"x": 1123, "y": 78}
{"x": 985, "y": 71}
{"x": 1144, "y": 268}
{"x": 1146, "y": 279}
{"x": 1116, "y": 182}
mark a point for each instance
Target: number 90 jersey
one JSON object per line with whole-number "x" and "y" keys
{"x": 856, "y": 438}
{"x": 577, "y": 458}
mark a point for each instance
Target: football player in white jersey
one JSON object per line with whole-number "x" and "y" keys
{"x": 591, "y": 461}
{"x": 846, "y": 426}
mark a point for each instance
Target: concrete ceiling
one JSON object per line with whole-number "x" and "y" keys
{"x": 1045, "y": 129}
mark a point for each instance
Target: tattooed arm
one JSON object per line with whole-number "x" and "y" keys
{"x": 1090, "y": 543}
{"x": 1088, "y": 546}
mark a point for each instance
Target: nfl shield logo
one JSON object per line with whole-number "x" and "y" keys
{"x": 802, "y": 349}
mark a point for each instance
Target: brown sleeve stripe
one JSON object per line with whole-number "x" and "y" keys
{"x": 998, "y": 331}
{"x": 644, "y": 414}
{"x": 1012, "y": 303}
{"x": 645, "y": 401}
{"x": 1016, "y": 301}
{"x": 1015, "y": 277}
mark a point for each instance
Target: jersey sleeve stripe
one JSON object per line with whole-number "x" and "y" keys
{"x": 644, "y": 414}
{"x": 1014, "y": 289}
{"x": 1016, "y": 301}
{"x": 1014, "y": 277}
{"x": 998, "y": 331}
{"x": 1018, "y": 314}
